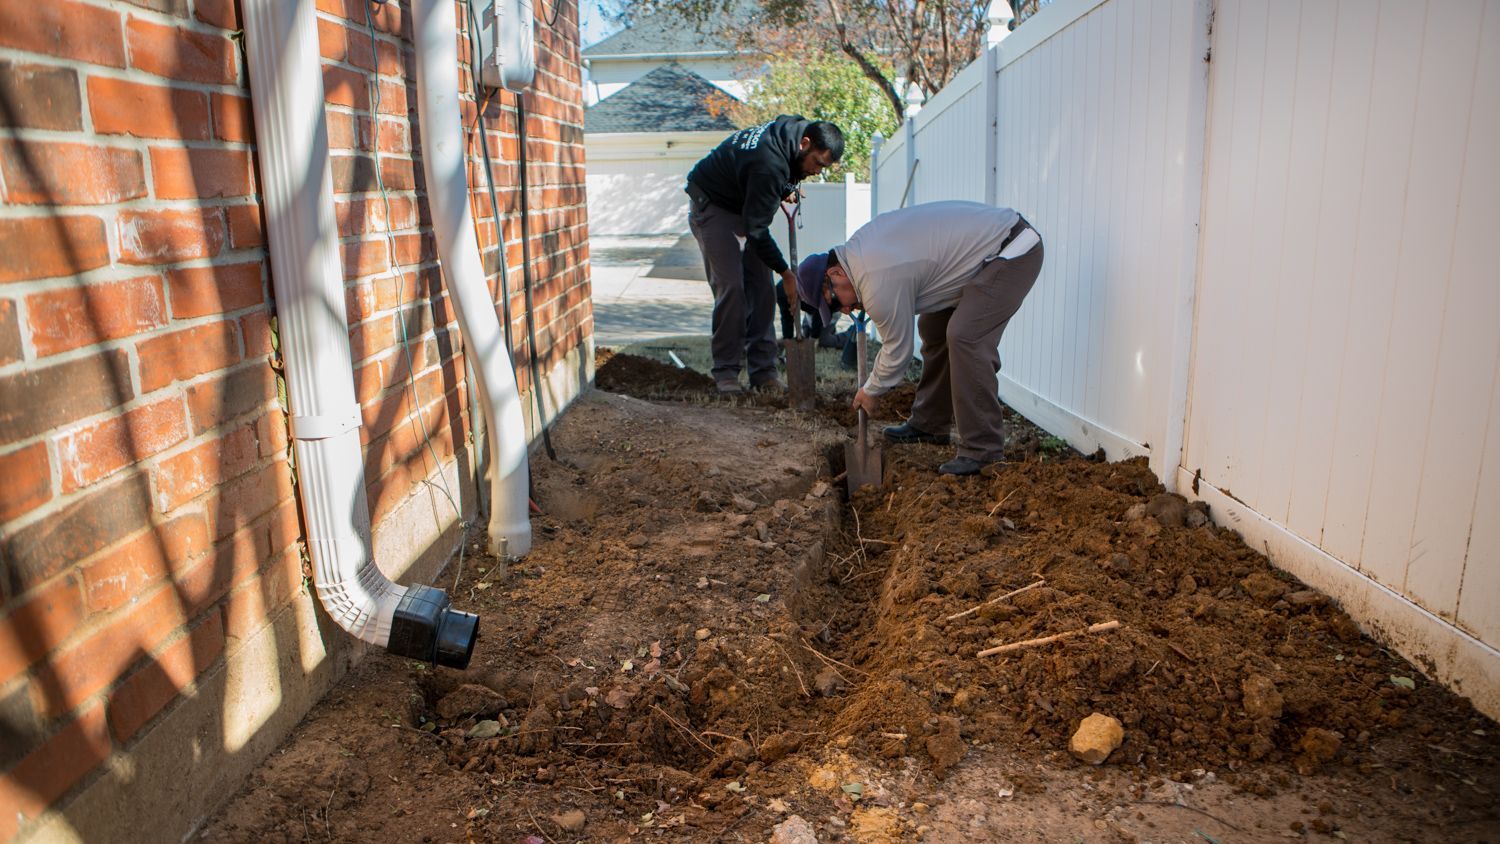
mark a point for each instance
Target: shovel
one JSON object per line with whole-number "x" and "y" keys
{"x": 801, "y": 352}
{"x": 861, "y": 457}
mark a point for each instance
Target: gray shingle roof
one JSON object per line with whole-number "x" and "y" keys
{"x": 663, "y": 34}
{"x": 670, "y": 98}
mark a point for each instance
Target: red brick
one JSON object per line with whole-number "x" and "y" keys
{"x": 10, "y": 334}
{"x": 82, "y": 670}
{"x": 159, "y": 237}
{"x": 183, "y": 477}
{"x": 393, "y": 98}
{"x": 271, "y": 433}
{"x": 200, "y": 173}
{"x": 119, "y": 575}
{"x": 40, "y": 398}
{"x": 415, "y": 249}
{"x": 91, "y": 523}
{"x": 340, "y": 43}
{"x": 215, "y": 402}
{"x": 121, "y": 107}
{"x": 246, "y": 229}
{"x": 76, "y": 316}
{"x": 255, "y": 327}
{"x": 87, "y": 455}
{"x": 63, "y": 28}
{"x": 47, "y": 773}
{"x": 365, "y": 257}
{"x": 353, "y": 174}
{"x": 28, "y": 481}
{"x": 139, "y": 697}
{"x": 371, "y": 338}
{"x": 39, "y": 623}
{"x": 43, "y": 247}
{"x": 186, "y": 354}
{"x": 220, "y": 13}
{"x": 202, "y": 291}
{"x": 40, "y": 97}
{"x": 180, "y": 54}
{"x": 345, "y": 87}
{"x": 234, "y": 120}
{"x": 244, "y": 500}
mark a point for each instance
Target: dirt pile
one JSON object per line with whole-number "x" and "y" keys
{"x": 646, "y": 378}
{"x": 1219, "y": 659}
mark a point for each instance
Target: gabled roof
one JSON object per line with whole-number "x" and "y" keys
{"x": 670, "y": 98}
{"x": 662, "y": 34}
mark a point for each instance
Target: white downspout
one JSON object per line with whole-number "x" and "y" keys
{"x": 297, "y": 188}
{"x": 453, "y": 224}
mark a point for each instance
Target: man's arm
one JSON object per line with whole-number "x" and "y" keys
{"x": 896, "y": 318}
{"x": 763, "y": 193}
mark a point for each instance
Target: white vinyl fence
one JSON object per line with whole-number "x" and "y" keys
{"x": 1266, "y": 271}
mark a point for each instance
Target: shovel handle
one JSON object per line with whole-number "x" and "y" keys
{"x": 792, "y": 295}
{"x": 859, "y": 341}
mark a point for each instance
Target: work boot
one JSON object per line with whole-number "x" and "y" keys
{"x": 768, "y": 383}
{"x": 964, "y": 466}
{"x": 905, "y": 433}
{"x": 729, "y": 387}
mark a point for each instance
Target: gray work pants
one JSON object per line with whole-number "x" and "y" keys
{"x": 961, "y": 356}
{"x": 744, "y": 297}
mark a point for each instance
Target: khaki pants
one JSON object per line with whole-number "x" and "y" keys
{"x": 744, "y": 298}
{"x": 961, "y": 356}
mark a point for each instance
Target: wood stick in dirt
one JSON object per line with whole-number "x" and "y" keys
{"x": 1011, "y": 594}
{"x": 1101, "y": 627}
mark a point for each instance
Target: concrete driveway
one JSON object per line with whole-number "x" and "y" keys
{"x": 647, "y": 287}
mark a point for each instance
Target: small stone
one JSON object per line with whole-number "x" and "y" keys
{"x": 1261, "y": 699}
{"x": 570, "y": 821}
{"x": 1306, "y": 598}
{"x": 822, "y": 779}
{"x": 705, "y": 502}
{"x": 828, "y": 682}
{"x": 1168, "y": 508}
{"x": 1197, "y": 515}
{"x": 636, "y": 541}
{"x": 1097, "y": 737}
{"x": 794, "y": 830}
{"x": 1264, "y": 587}
{"x": 1135, "y": 513}
{"x": 1187, "y": 585}
{"x": 483, "y": 730}
{"x": 919, "y": 807}
{"x": 743, "y": 504}
{"x": 777, "y": 747}
{"x": 702, "y": 633}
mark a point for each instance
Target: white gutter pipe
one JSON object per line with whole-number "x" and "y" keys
{"x": 297, "y": 189}
{"x": 444, "y": 163}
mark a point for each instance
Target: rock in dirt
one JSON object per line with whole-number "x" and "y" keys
{"x": 484, "y": 729}
{"x": 1263, "y": 587}
{"x": 946, "y": 747}
{"x": 536, "y": 731}
{"x": 1261, "y": 699}
{"x": 1197, "y": 515}
{"x": 570, "y": 821}
{"x": 1135, "y": 513}
{"x": 1306, "y": 598}
{"x": 794, "y": 830}
{"x": 470, "y": 699}
{"x": 778, "y": 746}
{"x": 1168, "y": 508}
{"x": 1317, "y": 747}
{"x": 1097, "y": 737}
{"x": 828, "y": 682}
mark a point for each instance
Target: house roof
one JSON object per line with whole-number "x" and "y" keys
{"x": 663, "y": 34}
{"x": 670, "y": 98}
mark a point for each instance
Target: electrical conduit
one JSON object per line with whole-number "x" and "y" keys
{"x": 297, "y": 190}
{"x": 443, "y": 163}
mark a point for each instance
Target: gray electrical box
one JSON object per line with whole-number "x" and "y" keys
{"x": 507, "y": 44}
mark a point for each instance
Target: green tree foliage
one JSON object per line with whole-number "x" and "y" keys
{"x": 822, "y": 87}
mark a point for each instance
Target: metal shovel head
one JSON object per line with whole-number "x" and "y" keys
{"x": 801, "y": 372}
{"x": 863, "y": 463}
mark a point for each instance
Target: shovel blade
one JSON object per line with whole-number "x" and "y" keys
{"x": 863, "y": 464}
{"x": 801, "y": 373}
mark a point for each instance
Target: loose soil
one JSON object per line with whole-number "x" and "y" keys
{"x": 708, "y": 641}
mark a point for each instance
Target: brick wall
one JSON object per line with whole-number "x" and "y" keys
{"x": 148, "y": 522}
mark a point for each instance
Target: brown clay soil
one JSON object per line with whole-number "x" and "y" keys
{"x": 709, "y": 642}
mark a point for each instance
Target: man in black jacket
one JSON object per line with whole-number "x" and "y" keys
{"x": 736, "y": 191}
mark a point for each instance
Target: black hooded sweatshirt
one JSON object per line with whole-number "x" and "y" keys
{"x": 749, "y": 173}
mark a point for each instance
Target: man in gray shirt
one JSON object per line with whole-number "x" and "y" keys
{"x": 959, "y": 271}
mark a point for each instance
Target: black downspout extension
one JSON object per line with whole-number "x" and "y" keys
{"x": 426, "y": 627}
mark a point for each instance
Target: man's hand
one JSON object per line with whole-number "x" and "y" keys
{"x": 789, "y": 284}
{"x": 864, "y": 401}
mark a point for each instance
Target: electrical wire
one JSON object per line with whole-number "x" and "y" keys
{"x": 536, "y": 380}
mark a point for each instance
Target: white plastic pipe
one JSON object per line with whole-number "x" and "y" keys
{"x": 281, "y": 41}
{"x": 484, "y": 341}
